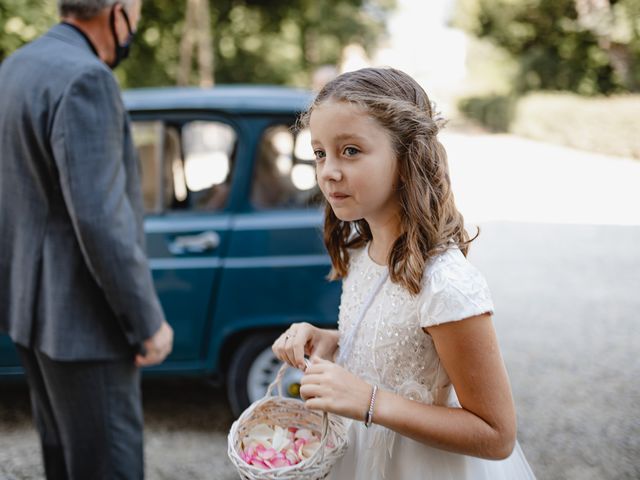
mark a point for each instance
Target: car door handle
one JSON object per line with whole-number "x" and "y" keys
{"x": 200, "y": 243}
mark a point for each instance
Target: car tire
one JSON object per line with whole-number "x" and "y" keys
{"x": 252, "y": 368}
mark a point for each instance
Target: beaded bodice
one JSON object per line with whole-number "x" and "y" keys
{"x": 391, "y": 347}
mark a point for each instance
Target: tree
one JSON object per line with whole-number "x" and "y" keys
{"x": 23, "y": 20}
{"x": 254, "y": 41}
{"x": 585, "y": 46}
{"x": 612, "y": 23}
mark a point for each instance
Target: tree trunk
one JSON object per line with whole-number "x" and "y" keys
{"x": 205, "y": 52}
{"x": 186, "y": 44}
{"x": 196, "y": 34}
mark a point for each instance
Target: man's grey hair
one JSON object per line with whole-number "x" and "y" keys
{"x": 85, "y": 9}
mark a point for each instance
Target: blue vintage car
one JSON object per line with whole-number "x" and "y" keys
{"x": 233, "y": 223}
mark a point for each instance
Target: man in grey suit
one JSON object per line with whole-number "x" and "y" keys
{"x": 76, "y": 294}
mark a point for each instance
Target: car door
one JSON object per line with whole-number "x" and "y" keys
{"x": 187, "y": 166}
{"x": 277, "y": 247}
{"x": 275, "y": 270}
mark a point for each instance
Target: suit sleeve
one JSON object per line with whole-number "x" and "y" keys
{"x": 87, "y": 139}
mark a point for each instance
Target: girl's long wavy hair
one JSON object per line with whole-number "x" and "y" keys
{"x": 430, "y": 221}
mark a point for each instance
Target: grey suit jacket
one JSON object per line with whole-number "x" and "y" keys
{"x": 74, "y": 278}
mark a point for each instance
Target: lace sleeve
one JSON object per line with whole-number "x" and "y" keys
{"x": 452, "y": 291}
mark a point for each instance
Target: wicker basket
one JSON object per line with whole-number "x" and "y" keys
{"x": 288, "y": 412}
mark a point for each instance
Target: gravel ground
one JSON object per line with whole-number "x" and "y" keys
{"x": 185, "y": 437}
{"x": 567, "y": 316}
{"x": 567, "y": 308}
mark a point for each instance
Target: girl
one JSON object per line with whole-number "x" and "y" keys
{"x": 417, "y": 365}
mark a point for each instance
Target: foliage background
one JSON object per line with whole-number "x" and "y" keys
{"x": 542, "y": 69}
{"x": 254, "y": 41}
{"x": 555, "y": 48}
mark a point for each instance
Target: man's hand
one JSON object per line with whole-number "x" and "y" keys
{"x": 157, "y": 347}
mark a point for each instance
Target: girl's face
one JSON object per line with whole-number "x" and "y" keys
{"x": 355, "y": 163}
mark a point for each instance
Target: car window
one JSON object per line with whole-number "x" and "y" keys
{"x": 147, "y": 137}
{"x": 284, "y": 173}
{"x": 208, "y": 149}
{"x": 196, "y": 160}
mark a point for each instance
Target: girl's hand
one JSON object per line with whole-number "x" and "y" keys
{"x": 328, "y": 387}
{"x": 304, "y": 339}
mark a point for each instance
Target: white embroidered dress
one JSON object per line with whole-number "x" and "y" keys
{"x": 391, "y": 350}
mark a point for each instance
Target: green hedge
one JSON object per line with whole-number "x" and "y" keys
{"x": 609, "y": 125}
{"x": 495, "y": 112}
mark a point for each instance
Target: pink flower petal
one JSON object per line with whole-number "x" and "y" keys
{"x": 298, "y": 445}
{"x": 259, "y": 463}
{"x": 267, "y": 454}
{"x": 282, "y": 462}
{"x": 292, "y": 457}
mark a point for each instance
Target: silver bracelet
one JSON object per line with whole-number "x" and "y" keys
{"x": 369, "y": 416}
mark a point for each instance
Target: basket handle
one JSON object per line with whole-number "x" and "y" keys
{"x": 325, "y": 417}
{"x": 277, "y": 381}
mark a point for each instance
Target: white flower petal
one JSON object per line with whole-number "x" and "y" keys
{"x": 310, "y": 448}
{"x": 261, "y": 433}
{"x": 280, "y": 439}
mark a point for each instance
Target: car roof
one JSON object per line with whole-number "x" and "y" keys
{"x": 225, "y": 98}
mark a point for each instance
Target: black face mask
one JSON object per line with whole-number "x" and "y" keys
{"x": 121, "y": 51}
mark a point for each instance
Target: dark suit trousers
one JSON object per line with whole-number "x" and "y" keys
{"x": 88, "y": 415}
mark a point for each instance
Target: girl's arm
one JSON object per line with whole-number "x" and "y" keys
{"x": 484, "y": 427}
